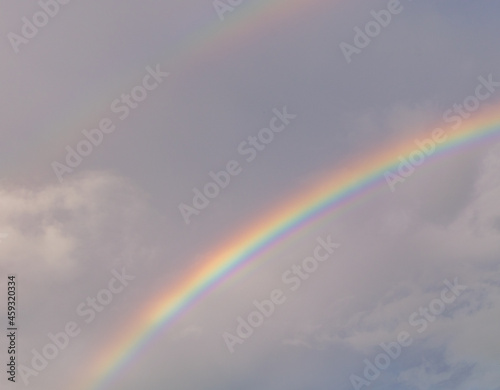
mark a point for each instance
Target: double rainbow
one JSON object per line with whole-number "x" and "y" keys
{"x": 331, "y": 193}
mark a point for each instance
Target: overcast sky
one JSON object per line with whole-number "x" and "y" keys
{"x": 165, "y": 92}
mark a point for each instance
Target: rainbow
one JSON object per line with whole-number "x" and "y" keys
{"x": 210, "y": 41}
{"x": 331, "y": 193}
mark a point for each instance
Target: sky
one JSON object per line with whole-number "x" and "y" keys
{"x": 142, "y": 142}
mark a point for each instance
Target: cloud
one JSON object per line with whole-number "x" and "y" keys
{"x": 50, "y": 228}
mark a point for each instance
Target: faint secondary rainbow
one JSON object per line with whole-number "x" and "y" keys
{"x": 330, "y": 194}
{"x": 211, "y": 40}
